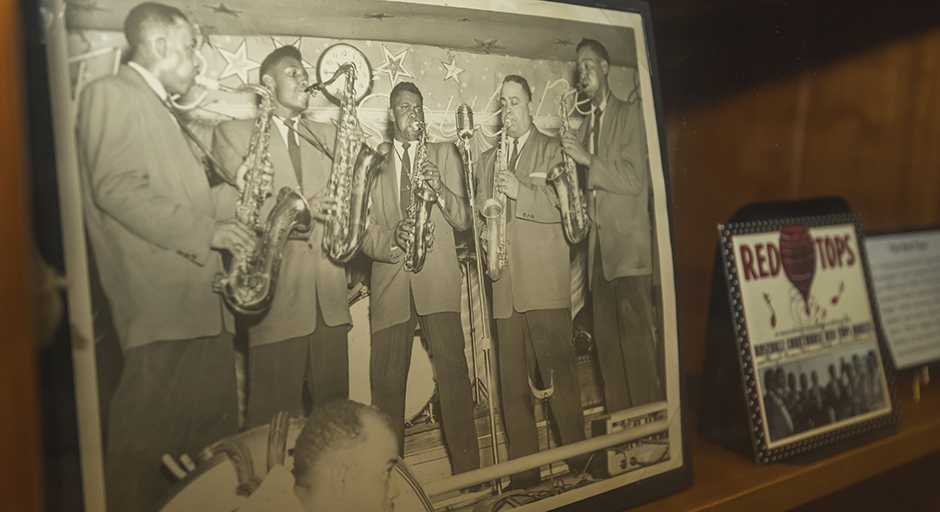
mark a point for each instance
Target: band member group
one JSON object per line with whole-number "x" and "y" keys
{"x": 177, "y": 257}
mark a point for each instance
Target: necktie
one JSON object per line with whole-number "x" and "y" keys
{"x": 510, "y": 210}
{"x": 293, "y": 149}
{"x": 597, "y": 129}
{"x": 404, "y": 190}
{"x": 514, "y": 156}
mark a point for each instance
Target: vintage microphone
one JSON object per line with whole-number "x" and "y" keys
{"x": 465, "y": 135}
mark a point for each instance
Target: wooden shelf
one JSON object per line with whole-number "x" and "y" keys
{"x": 727, "y": 481}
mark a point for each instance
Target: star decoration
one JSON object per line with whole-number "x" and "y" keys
{"x": 237, "y": 63}
{"x": 222, "y": 9}
{"x": 204, "y": 32}
{"x": 377, "y": 16}
{"x": 564, "y": 42}
{"x": 487, "y": 46}
{"x": 394, "y": 65}
{"x": 452, "y": 70}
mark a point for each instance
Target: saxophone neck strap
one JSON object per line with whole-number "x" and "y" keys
{"x": 220, "y": 169}
{"x": 312, "y": 139}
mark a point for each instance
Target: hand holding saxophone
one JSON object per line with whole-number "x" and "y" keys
{"x": 234, "y": 236}
{"x": 404, "y": 233}
{"x": 575, "y": 149}
{"x": 507, "y": 183}
{"x": 323, "y": 206}
{"x": 432, "y": 176}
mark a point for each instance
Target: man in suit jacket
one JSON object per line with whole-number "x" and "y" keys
{"x": 532, "y": 298}
{"x": 431, "y": 297}
{"x": 149, "y": 216}
{"x": 302, "y": 335}
{"x": 620, "y": 258}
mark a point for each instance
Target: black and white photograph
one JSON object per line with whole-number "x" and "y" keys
{"x": 810, "y": 345}
{"x": 802, "y": 396}
{"x": 370, "y": 255}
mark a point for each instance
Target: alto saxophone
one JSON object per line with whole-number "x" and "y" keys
{"x": 494, "y": 211}
{"x": 354, "y": 168}
{"x": 564, "y": 177}
{"x": 249, "y": 285}
{"x": 423, "y": 198}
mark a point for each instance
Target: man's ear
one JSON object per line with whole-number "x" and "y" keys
{"x": 268, "y": 81}
{"x": 391, "y": 115}
{"x": 339, "y": 473}
{"x": 529, "y": 106}
{"x": 159, "y": 46}
{"x": 605, "y": 67}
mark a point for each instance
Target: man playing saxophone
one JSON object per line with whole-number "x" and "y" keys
{"x": 611, "y": 144}
{"x": 301, "y": 340}
{"x": 532, "y": 297}
{"x": 401, "y": 299}
{"x": 149, "y": 218}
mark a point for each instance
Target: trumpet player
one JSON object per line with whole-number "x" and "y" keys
{"x": 532, "y": 297}
{"x": 301, "y": 340}
{"x": 149, "y": 216}
{"x": 402, "y": 299}
{"x": 611, "y": 145}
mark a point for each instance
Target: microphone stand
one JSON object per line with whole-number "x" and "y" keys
{"x": 486, "y": 341}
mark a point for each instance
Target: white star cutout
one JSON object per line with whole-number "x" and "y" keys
{"x": 394, "y": 66}
{"x": 237, "y": 63}
{"x": 452, "y": 69}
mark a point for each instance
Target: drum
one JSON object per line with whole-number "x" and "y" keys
{"x": 420, "y": 387}
{"x": 213, "y": 485}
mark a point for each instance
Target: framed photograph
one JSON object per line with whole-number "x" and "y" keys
{"x": 393, "y": 255}
{"x": 808, "y": 338}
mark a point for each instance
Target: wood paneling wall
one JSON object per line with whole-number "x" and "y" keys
{"x": 866, "y": 127}
{"x": 20, "y": 475}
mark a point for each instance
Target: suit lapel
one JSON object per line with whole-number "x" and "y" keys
{"x": 389, "y": 192}
{"x": 524, "y": 165}
{"x": 187, "y": 165}
{"x": 316, "y": 166}
{"x": 613, "y": 111}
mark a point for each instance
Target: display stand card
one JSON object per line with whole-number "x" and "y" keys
{"x": 807, "y": 351}
{"x": 905, "y": 269}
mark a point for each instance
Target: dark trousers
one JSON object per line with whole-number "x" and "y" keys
{"x": 537, "y": 341}
{"x": 388, "y": 368}
{"x": 623, "y": 334}
{"x": 278, "y": 372}
{"x": 173, "y": 397}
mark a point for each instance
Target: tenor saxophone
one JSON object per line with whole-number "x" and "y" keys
{"x": 564, "y": 177}
{"x": 423, "y": 198}
{"x": 494, "y": 211}
{"x": 248, "y": 286}
{"x": 354, "y": 168}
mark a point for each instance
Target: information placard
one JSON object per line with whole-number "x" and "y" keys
{"x": 905, "y": 269}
